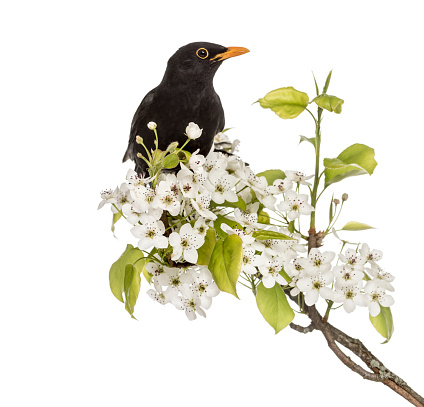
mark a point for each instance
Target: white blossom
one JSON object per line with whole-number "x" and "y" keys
{"x": 377, "y": 296}
{"x": 150, "y": 234}
{"x": 297, "y": 176}
{"x": 295, "y": 205}
{"x": 317, "y": 262}
{"x": 165, "y": 199}
{"x": 185, "y": 243}
{"x": 270, "y": 268}
{"x": 193, "y": 131}
{"x": 370, "y": 255}
{"x": 220, "y": 184}
{"x": 316, "y": 285}
{"x": 204, "y": 287}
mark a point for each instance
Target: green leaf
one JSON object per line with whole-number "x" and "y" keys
{"x": 263, "y": 217}
{"x": 222, "y": 219}
{"x": 132, "y": 256}
{"x": 225, "y": 263}
{"x": 355, "y": 160}
{"x": 287, "y": 103}
{"x": 310, "y": 140}
{"x": 269, "y": 234}
{"x": 132, "y": 282}
{"x": 330, "y": 103}
{"x": 170, "y": 161}
{"x": 327, "y": 82}
{"x": 238, "y": 204}
{"x": 272, "y": 175}
{"x": 356, "y": 226}
{"x": 206, "y": 250}
{"x": 274, "y": 307}
{"x": 115, "y": 218}
{"x": 383, "y": 323}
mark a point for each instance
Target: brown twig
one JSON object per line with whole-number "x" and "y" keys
{"x": 377, "y": 371}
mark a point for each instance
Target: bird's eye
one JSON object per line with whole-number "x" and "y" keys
{"x": 202, "y": 53}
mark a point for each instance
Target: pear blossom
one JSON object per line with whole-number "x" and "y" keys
{"x": 200, "y": 226}
{"x": 162, "y": 297}
{"x": 270, "y": 268}
{"x": 215, "y": 161}
{"x": 352, "y": 258}
{"x": 220, "y": 183}
{"x": 317, "y": 262}
{"x": 174, "y": 278}
{"x": 107, "y": 196}
{"x": 295, "y": 205}
{"x": 250, "y": 179}
{"x": 281, "y": 185}
{"x": 190, "y": 302}
{"x": 150, "y": 234}
{"x": 197, "y": 161}
{"x": 165, "y": 199}
{"x": 185, "y": 243}
{"x": 201, "y": 206}
{"x": 193, "y": 131}
{"x": 350, "y": 295}
{"x": 132, "y": 214}
{"x": 297, "y": 176}
{"x": 143, "y": 196}
{"x": 377, "y": 297}
{"x": 251, "y": 260}
{"x": 204, "y": 286}
{"x": 371, "y": 256}
{"x": 347, "y": 275}
{"x": 134, "y": 179}
{"x": 381, "y": 278}
{"x": 249, "y": 217}
{"x": 316, "y": 285}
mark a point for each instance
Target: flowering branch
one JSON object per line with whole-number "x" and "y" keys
{"x": 378, "y": 371}
{"x": 205, "y": 223}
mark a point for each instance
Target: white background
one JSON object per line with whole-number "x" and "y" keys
{"x": 72, "y": 75}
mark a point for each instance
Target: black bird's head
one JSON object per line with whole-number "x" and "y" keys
{"x": 198, "y": 62}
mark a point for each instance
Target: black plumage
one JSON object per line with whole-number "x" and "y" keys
{"x": 186, "y": 94}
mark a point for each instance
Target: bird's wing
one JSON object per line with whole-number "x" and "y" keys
{"x": 139, "y": 115}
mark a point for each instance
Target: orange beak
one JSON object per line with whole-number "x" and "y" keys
{"x": 231, "y": 52}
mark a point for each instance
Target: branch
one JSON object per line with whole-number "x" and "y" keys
{"x": 377, "y": 373}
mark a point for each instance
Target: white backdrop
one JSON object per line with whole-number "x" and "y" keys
{"x": 72, "y": 75}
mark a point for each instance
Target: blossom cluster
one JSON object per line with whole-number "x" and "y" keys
{"x": 171, "y": 213}
{"x": 314, "y": 274}
{"x": 190, "y": 289}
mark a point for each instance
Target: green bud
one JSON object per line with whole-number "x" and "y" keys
{"x": 138, "y": 140}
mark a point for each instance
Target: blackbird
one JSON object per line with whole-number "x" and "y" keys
{"x": 186, "y": 94}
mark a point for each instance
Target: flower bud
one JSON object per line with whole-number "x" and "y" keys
{"x": 138, "y": 140}
{"x": 344, "y": 197}
{"x": 336, "y": 201}
{"x": 139, "y": 155}
{"x": 193, "y": 131}
{"x": 152, "y": 125}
